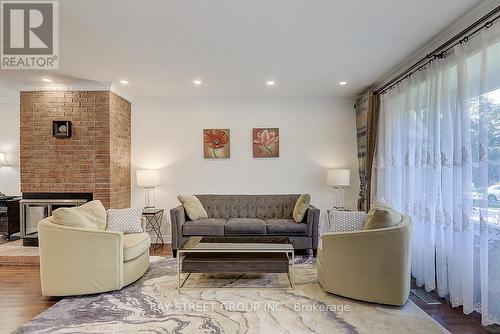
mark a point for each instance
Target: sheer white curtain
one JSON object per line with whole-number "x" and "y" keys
{"x": 437, "y": 159}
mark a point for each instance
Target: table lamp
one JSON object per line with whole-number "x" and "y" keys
{"x": 338, "y": 179}
{"x": 149, "y": 179}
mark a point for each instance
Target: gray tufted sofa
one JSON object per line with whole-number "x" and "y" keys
{"x": 247, "y": 215}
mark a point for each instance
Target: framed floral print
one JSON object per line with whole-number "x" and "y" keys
{"x": 216, "y": 144}
{"x": 266, "y": 143}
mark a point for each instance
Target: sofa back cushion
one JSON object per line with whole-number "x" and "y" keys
{"x": 91, "y": 215}
{"x": 249, "y": 206}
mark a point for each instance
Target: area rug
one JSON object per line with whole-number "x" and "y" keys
{"x": 154, "y": 305}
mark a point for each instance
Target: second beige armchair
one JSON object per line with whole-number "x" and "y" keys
{"x": 372, "y": 265}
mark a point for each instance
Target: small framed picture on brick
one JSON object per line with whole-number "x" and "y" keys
{"x": 61, "y": 129}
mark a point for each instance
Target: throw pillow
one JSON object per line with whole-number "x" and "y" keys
{"x": 124, "y": 220}
{"x": 373, "y": 207}
{"x": 346, "y": 221}
{"x": 91, "y": 215}
{"x": 193, "y": 207}
{"x": 382, "y": 217}
{"x": 301, "y": 207}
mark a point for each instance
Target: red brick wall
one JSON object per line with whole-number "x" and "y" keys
{"x": 84, "y": 162}
{"x": 120, "y": 124}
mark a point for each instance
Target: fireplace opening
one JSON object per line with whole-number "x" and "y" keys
{"x": 35, "y": 207}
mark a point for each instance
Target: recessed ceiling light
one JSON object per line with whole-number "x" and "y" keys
{"x": 197, "y": 82}
{"x": 342, "y": 83}
{"x": 270, "y": 83}
{"x": 125, "y": 82}
{"x": 46, "y": 80}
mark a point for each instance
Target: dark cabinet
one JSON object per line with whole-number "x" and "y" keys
{"x": 9, "y": 216}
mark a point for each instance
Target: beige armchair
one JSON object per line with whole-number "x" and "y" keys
{"x": 368, "y": 265}
{"x": 77, "y": 261}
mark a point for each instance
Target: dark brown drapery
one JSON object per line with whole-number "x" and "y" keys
{"x": 367, "y": 106}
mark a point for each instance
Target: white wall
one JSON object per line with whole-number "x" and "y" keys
{"x": 315, "y": 134}
{"x": 9, "y": 144}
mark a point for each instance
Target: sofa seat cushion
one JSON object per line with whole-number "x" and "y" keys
{"x": 135, "y": 244}
{"x": 134, "y": 269}
{"x": 243, "y": 226}
{"x": 285, "y": 227}
{"x": 204, "y": 226}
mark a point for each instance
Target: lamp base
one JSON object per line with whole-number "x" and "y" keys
{"x": 149, "y": 198}
{"x": 338, "y": 198}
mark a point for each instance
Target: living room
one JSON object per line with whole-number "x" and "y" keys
{"x": 259, "y": 167}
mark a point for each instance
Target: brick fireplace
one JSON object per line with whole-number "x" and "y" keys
{"x": 94, "y": 160}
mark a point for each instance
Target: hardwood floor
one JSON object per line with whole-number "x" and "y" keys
{"x": 161, "y": 250}
{"x": 453, "y": 319}
{"x": 21, "y": 297}
{"x": 21, "y": 300}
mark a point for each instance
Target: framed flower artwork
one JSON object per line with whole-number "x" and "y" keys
{"x": 266, "y": 143}
{"x": 216, "y": 144}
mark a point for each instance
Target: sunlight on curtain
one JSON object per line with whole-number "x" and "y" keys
{"x": 438, "y": 160}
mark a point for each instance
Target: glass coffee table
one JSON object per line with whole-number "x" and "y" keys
{"x": 236, "y": 255}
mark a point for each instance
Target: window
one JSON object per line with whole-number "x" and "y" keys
{"x": 490, "y": 103}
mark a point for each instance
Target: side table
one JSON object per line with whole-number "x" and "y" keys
{"x": 154, "y": 219}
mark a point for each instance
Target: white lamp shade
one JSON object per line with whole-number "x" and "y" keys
{"x": 339, "y": 178}
{"x": 148, "y": 177}
{"x": 3, "y": 160}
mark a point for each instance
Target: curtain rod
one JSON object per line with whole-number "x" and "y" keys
{"x": 441, "y": 50}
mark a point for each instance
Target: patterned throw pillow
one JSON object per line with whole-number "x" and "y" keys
{"x": 346, "y": 221}
{"x": 124, "y": 220}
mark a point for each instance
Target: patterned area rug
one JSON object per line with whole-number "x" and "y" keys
{"x": 154, "y": 305}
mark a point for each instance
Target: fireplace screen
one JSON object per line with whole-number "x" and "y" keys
{"x": 35, "y": 210}
{"x": 33, "y": 214}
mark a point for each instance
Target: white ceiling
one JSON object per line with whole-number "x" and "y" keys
{"x": 234, "y": 46}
